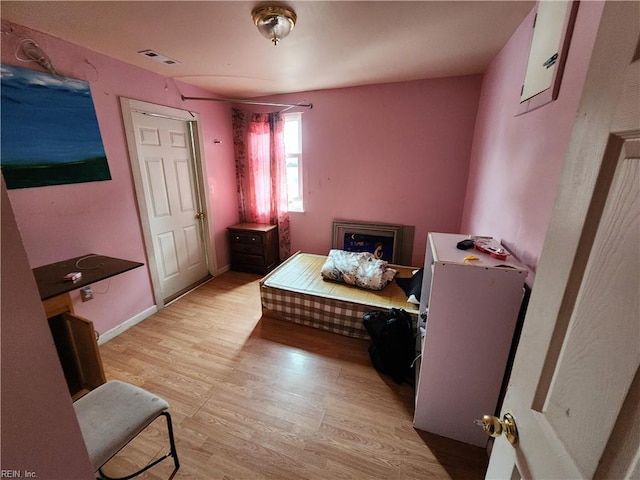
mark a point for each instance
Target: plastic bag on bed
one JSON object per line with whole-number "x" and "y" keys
{"x": 360, "y": 269}
{"x": 392, "y": 342}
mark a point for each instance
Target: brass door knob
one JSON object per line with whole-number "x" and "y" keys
{"x": 200, "y": 215}
{"x": 494, "y": 427}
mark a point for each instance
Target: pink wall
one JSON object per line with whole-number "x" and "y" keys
{"x": 516, "y": 161}
{"x": 60, "y": 222}
{"x": 391, "y": 153}
{"x": 40, "y": 433}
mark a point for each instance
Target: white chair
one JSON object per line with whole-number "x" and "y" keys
{"x": 114, "y": 414}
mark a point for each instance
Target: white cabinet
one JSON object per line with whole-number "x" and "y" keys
{"x": 472, "y": 313}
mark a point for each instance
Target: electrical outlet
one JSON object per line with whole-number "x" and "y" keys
{"x": 86, "y": 293}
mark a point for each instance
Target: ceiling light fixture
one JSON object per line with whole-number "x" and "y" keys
{"x": 274, "y": 22}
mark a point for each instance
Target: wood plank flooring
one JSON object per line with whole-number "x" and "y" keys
{"x": 259, "y": 398}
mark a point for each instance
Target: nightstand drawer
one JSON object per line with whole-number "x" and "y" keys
{"x": 256, "y": 249}
{"x": 242, "y": 259}
{"x": 246, "y": 238}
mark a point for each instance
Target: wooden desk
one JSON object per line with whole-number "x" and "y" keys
{"x": 74, "y": 336}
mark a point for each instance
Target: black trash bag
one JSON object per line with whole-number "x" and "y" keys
{"x": 392, "y": 342}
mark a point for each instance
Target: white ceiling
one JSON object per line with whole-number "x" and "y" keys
{"x": 334, "y": 44}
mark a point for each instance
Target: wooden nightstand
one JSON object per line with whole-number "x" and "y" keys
{"x": 254, "y": 247}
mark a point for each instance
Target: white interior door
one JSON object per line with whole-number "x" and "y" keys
{"x": 575, "y": 389}
{"x": 167, "y": 173}
{"x": 164, "y": 145}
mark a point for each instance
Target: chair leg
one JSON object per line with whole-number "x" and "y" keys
{"x": 172, "y": 453}
{"x": 172, "y": 443}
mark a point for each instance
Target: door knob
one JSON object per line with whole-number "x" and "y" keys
{"x": 200, "y": 215}
{"x": 494, "y": 427}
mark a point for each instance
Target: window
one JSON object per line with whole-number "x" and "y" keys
{"x": 293, "y": 158}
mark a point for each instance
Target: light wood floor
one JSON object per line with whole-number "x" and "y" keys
{"x": 258, "y": 398}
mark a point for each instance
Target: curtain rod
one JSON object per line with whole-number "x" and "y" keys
{"x": 250, "y": 102}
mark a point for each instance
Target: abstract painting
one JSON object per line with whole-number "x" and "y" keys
{"x": 49, "y": 130}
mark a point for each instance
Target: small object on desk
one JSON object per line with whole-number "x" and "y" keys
{"x": 73, "y": 277}
{"x": 470, "y": 258}
{"x": 493, "y": 248}
{"x": 465, "y": 244}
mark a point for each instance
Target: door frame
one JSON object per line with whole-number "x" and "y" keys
{"x": 130, "y": 106}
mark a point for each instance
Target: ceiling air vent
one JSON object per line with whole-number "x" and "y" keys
{"x": 158, "y": 57}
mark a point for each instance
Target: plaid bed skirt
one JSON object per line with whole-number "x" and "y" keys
{"x": 337, "y": 316}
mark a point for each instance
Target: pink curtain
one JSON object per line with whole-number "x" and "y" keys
{"x": 261, "y": 172}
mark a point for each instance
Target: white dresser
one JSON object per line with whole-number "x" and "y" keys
{"x": 472, "y": 313}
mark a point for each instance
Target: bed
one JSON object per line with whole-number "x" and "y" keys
{"x": 296, "y": 292}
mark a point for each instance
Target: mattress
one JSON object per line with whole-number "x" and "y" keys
{"x": 296, "y": 292}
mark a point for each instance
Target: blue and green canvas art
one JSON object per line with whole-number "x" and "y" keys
{"x": 49, "y": 130}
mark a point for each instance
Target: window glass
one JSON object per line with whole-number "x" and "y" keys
{"x": 293, "y": 153}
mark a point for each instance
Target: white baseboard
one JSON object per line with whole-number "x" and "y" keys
{"x": 221, "y": 270}
{"x": 126, "y": 325}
